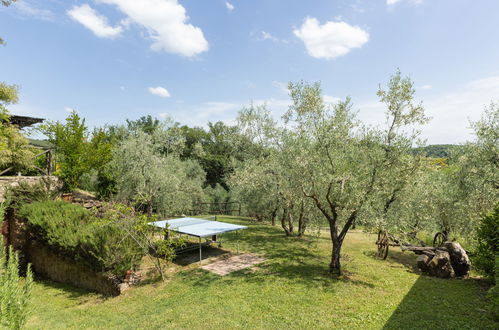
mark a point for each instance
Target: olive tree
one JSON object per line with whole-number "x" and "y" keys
{"x": 264, "y": 181}
{"x": 153, "y": 180}
{"x": 346, "y": 168}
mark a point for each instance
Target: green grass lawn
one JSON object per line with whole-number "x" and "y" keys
{"x": 290, "y": 290}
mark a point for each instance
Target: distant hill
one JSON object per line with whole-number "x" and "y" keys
{"x": 437, "y": 150}
{"x": 40, "y": 143}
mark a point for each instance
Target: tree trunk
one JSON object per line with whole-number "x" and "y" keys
{"x": 273, "y": 216}
{"x": 335, "y": 265}
{"x": 149, "y": 208}
{"x": 285, "y": 217}
{"x": 290, "y": 223}
{"x": 302, "y": 221}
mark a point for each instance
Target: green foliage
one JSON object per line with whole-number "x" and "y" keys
{"x": 24, "y": 193}
{"x": 77, "y": 153}
{"x": 136, "y": 233}
{"x": 78, "y": 234}
{"x": 289, "y": 290}
{"x": 155, "y": 179}
{"x": 15, "y": 292}
{"x": 325, "y": 162}
{"x": 8, "y": 95}
{"x": 15, "y": 150}
{"x": 70, "y": 142}
{"x": 487, "y": 250}
{"x": 437, "y": 150}
{"x": 493, "y": 293}
{"x": 146, "y": 124}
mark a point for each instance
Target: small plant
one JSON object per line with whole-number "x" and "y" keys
{"x": 15, "y": 293}
{"x": 135, "y": 227}
{"x": 488, "y": 243}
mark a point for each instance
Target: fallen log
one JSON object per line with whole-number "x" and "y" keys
{"x": 442, "y": 261}
{"x": 421, "y": 249}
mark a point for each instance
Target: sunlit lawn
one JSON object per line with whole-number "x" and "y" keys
{"x": 290, "y": 290}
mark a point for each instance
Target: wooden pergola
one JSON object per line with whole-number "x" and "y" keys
{"x": 24, "y": 121}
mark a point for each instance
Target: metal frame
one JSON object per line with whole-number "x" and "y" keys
{"x": 216, "y": 238}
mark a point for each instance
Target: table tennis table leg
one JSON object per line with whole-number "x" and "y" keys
{"x": 237, "y": 241}
{"x": 200, "y": 255}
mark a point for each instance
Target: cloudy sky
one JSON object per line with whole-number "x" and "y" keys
{"x": 202, "y": 60}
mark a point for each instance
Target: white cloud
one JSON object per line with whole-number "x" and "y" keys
{"x": 70, "y": 110}
{"x": 394, "y": 2}
{"x": 283, "y": 87}
{"x": 166, "y": 24}
{"x": 29, "y": 9}
{"x": 268, "y": 36}
{"x": 330, "y": 40}
{"x": 159, "y": 91}
{"x": 426, "y": 87}
{"x": 92, "y": 20}
{"x": 229, "y": 6}
{"x": 331, "y": 99}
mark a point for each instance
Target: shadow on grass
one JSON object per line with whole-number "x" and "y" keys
{"x": 288, "y": 258}
{"x": 192, "y": 257}
{"x": 408, "y": 259}
{"x": 434, "y": 303}
{"x": 70, "y": 292}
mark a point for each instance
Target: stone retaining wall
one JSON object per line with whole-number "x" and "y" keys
{"x": 51, "y": 265}
{"x": 13, "y": 181}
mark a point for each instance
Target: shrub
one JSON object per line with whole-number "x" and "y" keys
{"x": 15, "y": 293}
{"x": 488, "y": 243}
{"x": 493, "y": 293}
{"x": 77, "y": 233}
{"x": 29, "y": 193}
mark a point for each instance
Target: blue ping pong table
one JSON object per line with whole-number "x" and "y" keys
{"x": 197, "y": 227}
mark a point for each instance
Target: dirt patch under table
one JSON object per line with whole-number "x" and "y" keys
{"x": 237, "y": 262}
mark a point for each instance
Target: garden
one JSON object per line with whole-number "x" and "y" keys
{"x": 317, "y": 193}
{"x": 317, "y": 219}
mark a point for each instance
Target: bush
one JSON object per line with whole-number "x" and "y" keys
{"x": 44, "y": 190}
{"x": 77, "y": 233}
{"x": 493, "y": 293}
{"x": 488, "y": 244}
{"x": 15, "y": 293}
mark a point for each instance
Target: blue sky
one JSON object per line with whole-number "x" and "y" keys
{"x": 202, "y": 60}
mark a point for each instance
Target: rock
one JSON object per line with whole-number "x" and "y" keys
{"x": 422, "y": 262}
{"x": 440, "y": 265}
{"x": 458, "y": 258}
{"x": 122, "y": 287}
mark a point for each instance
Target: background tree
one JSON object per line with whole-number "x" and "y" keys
{"x": 15, "y": 151}
{"x": 70, "y": 141}
{"x": 345, "y": 168}
{"x": 264, "y": 181}
{"x": 152, "y": 179}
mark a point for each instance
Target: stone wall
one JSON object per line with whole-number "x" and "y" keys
{"x": 13, "y": 181}
{"x": 51, "y": 265}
